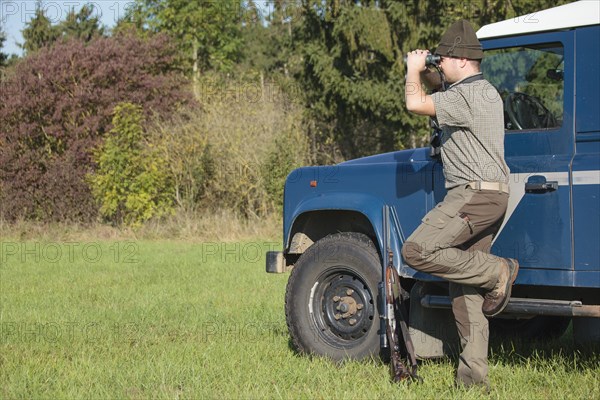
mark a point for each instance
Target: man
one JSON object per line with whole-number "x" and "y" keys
{"x": 454, "y": 239}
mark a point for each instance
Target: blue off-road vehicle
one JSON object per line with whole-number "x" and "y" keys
{"x": 546, "y": 68}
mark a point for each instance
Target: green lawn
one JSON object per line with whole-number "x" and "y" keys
{"x": 172, "y": 319}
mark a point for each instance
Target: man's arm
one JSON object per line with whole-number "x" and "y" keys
{"x": 417, "y": 101}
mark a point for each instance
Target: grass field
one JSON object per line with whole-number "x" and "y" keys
{"x": 174, "y": 319}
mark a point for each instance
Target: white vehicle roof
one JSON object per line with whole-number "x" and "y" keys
{"x": 579, "y": 13}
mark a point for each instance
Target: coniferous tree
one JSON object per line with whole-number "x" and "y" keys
{"x": 39, "y": 32}
{"x": 133, "y": 21}
{"x": 253, "y": 32}
{"x": 268, "y": 38}
{"x": 82, "y": 25}
{"x": 283, "y": 21}
{"x": 3, "y": 57}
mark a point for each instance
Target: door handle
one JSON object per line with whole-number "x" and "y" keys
{"x": 541, "y": 187}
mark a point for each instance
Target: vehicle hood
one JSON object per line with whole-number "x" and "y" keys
{"x": 420, "y": 154}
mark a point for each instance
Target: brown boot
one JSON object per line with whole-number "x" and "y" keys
{"x": 496, "y": 300}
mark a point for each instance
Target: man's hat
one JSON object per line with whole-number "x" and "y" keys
{"x": 460, "y": 40}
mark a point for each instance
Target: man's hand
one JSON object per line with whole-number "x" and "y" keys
{"x": 415, "y": 60}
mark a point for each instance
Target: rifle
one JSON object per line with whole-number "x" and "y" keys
{"x": 395, "y": 315}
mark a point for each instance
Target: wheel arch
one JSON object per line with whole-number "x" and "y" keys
{"x": 328, "y": 213}
{"x": 313, "y": 225}
{"x": 317, "y": 217}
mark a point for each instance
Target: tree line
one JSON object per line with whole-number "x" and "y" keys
{"x": 85, "y": 99}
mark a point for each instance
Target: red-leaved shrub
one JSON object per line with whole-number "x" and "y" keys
{"x": 57, "y": 106}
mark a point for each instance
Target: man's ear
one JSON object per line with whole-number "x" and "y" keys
{"x": 462, "y": 62}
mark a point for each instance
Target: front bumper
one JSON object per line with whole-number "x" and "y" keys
{"x": 275, "y": 262}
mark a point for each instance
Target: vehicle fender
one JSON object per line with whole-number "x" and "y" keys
{"x": 368, "y": 205}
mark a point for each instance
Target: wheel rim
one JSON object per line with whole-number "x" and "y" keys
{"x": 343, "y": 307}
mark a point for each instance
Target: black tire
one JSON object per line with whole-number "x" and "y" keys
{"x": 537, "y": 328}
{"x": 341, "y": 270}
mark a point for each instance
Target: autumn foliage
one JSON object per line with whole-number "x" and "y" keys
{"x": 58, "y": 105}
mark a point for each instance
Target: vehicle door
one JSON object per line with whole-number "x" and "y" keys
{"x": 534, "y": 75}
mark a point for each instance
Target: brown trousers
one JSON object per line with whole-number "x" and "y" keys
{"x": 453, "y": 242}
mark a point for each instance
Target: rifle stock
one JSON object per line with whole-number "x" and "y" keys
{"x": 395, "y": 315}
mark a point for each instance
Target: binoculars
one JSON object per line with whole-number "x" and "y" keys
{"x": 431, "y": 59}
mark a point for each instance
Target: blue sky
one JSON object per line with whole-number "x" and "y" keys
{"x": 14, "y": 14}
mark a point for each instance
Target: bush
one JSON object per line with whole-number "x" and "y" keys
{"x": 234, "y": 153}
{"x": 184, "y": 145}
{"x": 288, "y": 152}
{"x": 132, "y": 183}
{"x": 57, "y": 106}
{"x": 246, "y": 121}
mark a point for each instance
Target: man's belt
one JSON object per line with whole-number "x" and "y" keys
{"x": 497, "y": 186}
